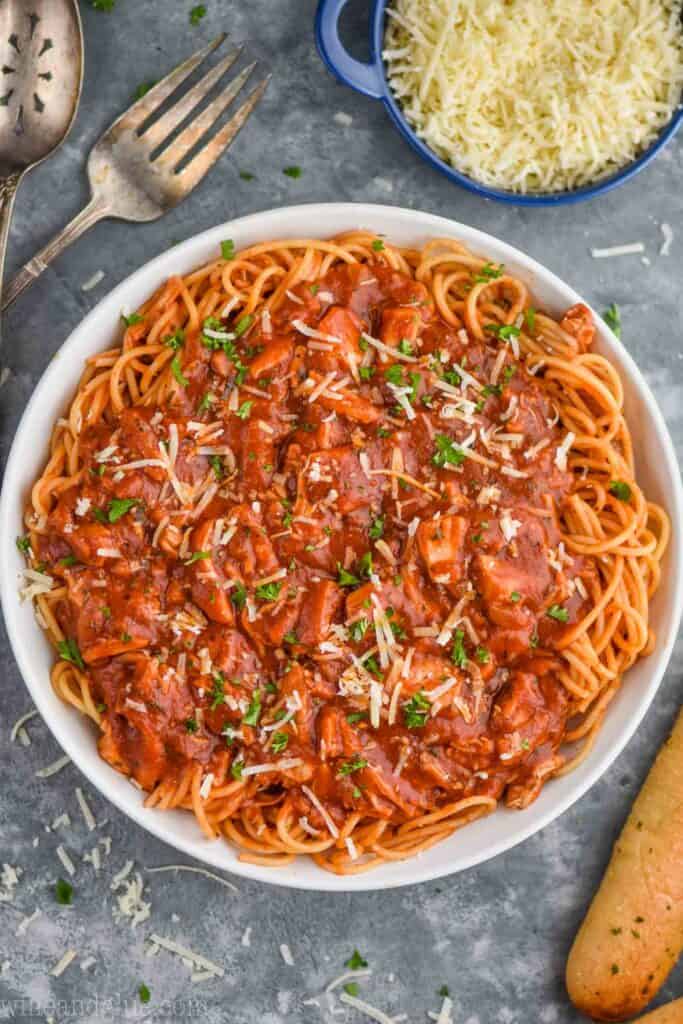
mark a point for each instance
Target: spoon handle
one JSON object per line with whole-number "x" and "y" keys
{"x": 95, "y": 211}
{"x": 8, "y": 191}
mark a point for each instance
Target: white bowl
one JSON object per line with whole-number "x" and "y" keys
{"x": 657, "y": 472}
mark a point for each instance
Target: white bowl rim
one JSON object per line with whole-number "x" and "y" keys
{"x": 271, "y": 224}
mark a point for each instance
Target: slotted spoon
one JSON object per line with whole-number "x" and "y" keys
{"x": 41, "y": 74}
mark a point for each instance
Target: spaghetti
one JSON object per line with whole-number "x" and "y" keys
{"x": 343, "y": 545}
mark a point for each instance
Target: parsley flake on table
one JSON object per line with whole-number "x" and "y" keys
{"x": 102, "y": 5}
{"x": 64, "y": 892}
{"x": 355, "y": 961}
{"x": 144, "y": 993}
{"x": 612, "y": 318}
{"x": 197, "y": 13}
{"x": 292, "y": 172}
{"x": 144, "y": 88}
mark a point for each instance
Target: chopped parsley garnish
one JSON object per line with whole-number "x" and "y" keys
{"x": 366, "y": 372}
{"x": 144, "y": 993}
{"x": 290, "y": 637}
{"x": 482, "y": 655}
{"x": 197, "y": 13}
{"x": 253, "y": 712}
{"x": 346, "y": 578}
{"x": 444, "y": 991}
{"x": 238, "y": 596}
{"x": 197, "y": 556}
{"x": 216, "y": 463}
{"x": 446, "y": 452}
{"x": 405, "y": 348}
{"x": 557, "y": 612}
{"x": 68, "y": 561}
{"x": 489, "y": 272}
{"x": 246, "y": 176}
{"x": 243, "y": 325}
{"x": 377, "y": 244}
{"x": 458, "y": 654}
{"x": 292, "y": 172}
{"x": 372, "y": 666}
{"x": 365, "y": 564}
{"x": 452, "y": 377}
{"x": 376, "y": 528}
{"x": 356, "y": 716}
{"x": 280, "y": 741}
{"x": 503, "y": 331}
{"x": 228, "y": 249}
{"x": 236, "y": 769}
{"x": 358, "y": 630}
{"x": 175, "y": 340}
{"x": 355, "y": 765}
{"x": 416, "y": 711}
{"x": 530, "y": 318}
{"x": 244, "y": 410}
{"x": 177, "y": 372}
{"x": 351, "y": 988}
{"x": 69, "y": 650}
{"x": 217, "y": 695}
{"x": 24, "y": 543}
{"x": 394, "y": 375}
{"x": 191, "y": 725}
{"x": 515, "y": 596}
{"x": 491, "y": 389}
{"x": 356, "y": 961}
{"x": 268, "y": 591}
{"x": 118, "y": 508}
{"x": 612, "y": 318}
{"x": 126, "y": 638}
{"x": 64, "y": 892}
{"x": 620, "y": 490}
{"x": 132, "y": 320}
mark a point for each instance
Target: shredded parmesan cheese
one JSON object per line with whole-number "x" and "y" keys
{"x": 551, "y": 98}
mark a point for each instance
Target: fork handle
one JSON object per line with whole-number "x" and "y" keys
{"x": 95, "y": 211}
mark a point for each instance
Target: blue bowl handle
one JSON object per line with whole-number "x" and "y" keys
{"x": 365, "y": 78}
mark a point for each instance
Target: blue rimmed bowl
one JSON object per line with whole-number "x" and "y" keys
{"x": 371, "y": 80}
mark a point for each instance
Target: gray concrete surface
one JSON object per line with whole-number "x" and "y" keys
{"x": 497, "y": 935}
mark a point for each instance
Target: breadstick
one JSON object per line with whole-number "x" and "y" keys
{"x": 632, "y": 934}
{"x": 670, "y": 1013}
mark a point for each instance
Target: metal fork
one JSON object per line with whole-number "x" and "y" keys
{"x": 139, "y": 170}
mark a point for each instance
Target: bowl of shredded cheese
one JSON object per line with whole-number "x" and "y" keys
{"x": 534, "y": 102}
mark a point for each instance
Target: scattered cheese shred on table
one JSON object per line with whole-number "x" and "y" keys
{"x": 171, "y": 946}
{"x": 550, "y": 97}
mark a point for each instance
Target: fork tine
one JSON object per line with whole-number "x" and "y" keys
{"x": 138, "y": 113}
{"x": 160, "y": 130}
{"x": 207, "y": 156}
{"x": 194, "y": 132}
